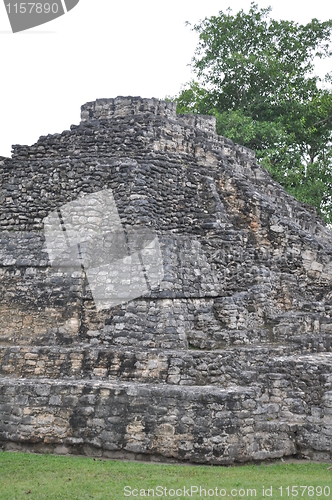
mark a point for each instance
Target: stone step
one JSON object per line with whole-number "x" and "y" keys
{"x": 198, "y": 424}
{"x": 238, "y": 366}
{"x": 158, "y": 327}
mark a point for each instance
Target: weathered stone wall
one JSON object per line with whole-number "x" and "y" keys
{"x": 228, "y": 359}
{"x": 201, "y": 424}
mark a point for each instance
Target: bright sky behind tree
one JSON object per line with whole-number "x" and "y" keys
{"x": 105, "y": 48}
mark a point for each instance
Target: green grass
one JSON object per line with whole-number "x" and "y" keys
{"x": 30, "y": 476}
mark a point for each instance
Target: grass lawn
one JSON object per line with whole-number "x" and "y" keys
{"x": 30, "y": 476}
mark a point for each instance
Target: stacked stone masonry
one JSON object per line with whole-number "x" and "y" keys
{"x": 228, "y": 359}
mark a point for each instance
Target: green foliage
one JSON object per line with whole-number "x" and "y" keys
{"x": 256, "y": 75}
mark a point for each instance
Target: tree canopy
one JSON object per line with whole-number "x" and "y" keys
{"x": 256, "y": 75}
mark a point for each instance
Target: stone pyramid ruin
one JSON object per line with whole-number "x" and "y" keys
{"x": 161, "y": 296}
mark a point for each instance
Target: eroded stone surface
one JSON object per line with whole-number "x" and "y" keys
{"x": 227, "y": 360}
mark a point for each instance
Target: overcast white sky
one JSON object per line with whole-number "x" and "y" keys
{"x": 105, "y": 48}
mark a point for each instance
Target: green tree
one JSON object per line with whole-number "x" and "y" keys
{"x": 256, "y": 75}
